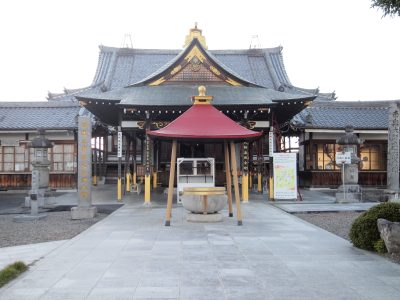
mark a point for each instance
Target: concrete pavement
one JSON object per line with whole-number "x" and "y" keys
{"x": 274, "y": 255}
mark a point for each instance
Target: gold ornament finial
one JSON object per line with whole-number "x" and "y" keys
{"x": 202, "y": 90}
{"x": 202, "y": 98}
{"x": 195, "y": 33}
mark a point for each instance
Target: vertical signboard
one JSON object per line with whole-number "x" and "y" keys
{"x": 119, "y": 154}
{"x": 84, "y": 161}
{"x": 245, "y": 157}
{"x": 271, "y": 141}
{"x": 285, "y": 176}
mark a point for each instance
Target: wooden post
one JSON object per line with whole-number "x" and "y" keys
{"x": 171, "y": 184}
{"x": 94, "y": 181}
{"x": 236, "y": 184}
{"x": 134, "y": 180}
{"x": 155, "y": 160}
{"x": 228, "y": 178}
{"x": 126, "y": 165}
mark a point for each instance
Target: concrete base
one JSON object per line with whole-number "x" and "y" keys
{"x": 28, "y": 218}
{"x": 351, "y": 193}
{"x": 201, "y": 218}
{"x": 78, "y": 213}
{"x": 147, "y": 204}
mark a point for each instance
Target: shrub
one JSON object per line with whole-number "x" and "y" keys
{"x": 380, "y": 247}
{"x": 364, "y": 232}
{"x": 12, "y": 271}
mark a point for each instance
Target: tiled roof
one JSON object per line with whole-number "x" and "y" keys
{"x": 121, "y": 67}
{"x": 338, "y": 114}
{"x": 34, "y": 115}
{"x": 171, "y": 95}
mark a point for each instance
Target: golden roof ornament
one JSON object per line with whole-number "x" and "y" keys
{"x": 202, "y": 98}
{"x": 195, "y": 33}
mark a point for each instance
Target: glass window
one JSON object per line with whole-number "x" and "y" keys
{"x": 324, "y": 157}
{"x": 62, "y": 158}
{"x": 371, "y": 157}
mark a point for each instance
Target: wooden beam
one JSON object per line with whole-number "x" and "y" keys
{"x": 171, "y": 184}
{"x": 228, "y": 178}
{"x": 236, "y": 184}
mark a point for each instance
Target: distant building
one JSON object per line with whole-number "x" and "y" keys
{"x": 320, "y": 124}
{"x": 19, "y": 122}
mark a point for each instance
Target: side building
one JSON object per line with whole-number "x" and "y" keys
{"x": 322, "y": 123}
{"x": 19, "y": 122}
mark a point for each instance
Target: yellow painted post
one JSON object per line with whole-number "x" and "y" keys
{"x": 147, "y": 189}
{"x": 119, "y": 190}
{"x": 154, "y": 180}
{"x": 259, "y": 182}
{"x": 94, "y": 180}
{"x": 245, "y": 187}
{"x": 128, "y": 182}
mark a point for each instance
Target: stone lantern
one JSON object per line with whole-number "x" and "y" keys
{"x": 40, "y": 164}
{"x": 40, "y": 178}
{"x": 349, "y": 191}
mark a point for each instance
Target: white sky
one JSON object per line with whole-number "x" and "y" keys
{"x": 337, "y": 45}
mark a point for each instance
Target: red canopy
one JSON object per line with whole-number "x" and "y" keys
{"x": 204, "y": 121}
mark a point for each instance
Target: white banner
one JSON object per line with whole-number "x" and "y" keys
{"x": 119, "y": 154}
{"x": 285, "y": 176}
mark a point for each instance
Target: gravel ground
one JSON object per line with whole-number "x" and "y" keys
{"x": 57, "y": 226}
{"x": 338, "y": 223}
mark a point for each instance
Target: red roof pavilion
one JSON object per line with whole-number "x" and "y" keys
{"x": 204, "y": 121}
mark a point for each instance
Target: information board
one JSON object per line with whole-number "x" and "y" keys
{"x": 285, "y": 176}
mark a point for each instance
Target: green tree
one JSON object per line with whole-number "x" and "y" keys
{"x": 389, "y": 7}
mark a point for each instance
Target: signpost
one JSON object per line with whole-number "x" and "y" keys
{"x": 343, "y": 158}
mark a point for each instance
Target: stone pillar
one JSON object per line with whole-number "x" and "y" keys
{"x": 84, "y": 210}
{"x": 393, "y": 153}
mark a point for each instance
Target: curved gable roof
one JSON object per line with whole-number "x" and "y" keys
{"x": 185, "y": 57}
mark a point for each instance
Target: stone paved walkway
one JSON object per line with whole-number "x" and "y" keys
{"x": 274, "y": 255}
{"x": 27, "y": 253}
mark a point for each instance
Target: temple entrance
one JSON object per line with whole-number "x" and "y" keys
{"x": 191, "y": 150}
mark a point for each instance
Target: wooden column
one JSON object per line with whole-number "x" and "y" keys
{"x": 171, "y": 184}
{"x": 228, "y": 178}
{"x": 134, "y": 179}
{"x": 155, "y": 161}
{"x": 94, "y": 182}
{"x": 236, "y": 184}
{"x": 126, "y": 165}
{"x": 259, "y": 166}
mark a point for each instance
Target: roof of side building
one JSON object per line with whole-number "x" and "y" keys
{"x": 339, "y": 114}
{"x": 34, "y": 115}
